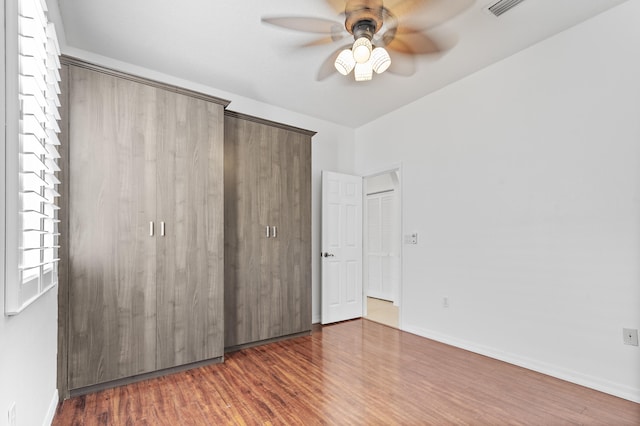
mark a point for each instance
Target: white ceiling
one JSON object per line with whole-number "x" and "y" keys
{"x": 223, "y": 44}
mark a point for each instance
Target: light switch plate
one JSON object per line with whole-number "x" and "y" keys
{"x": 411, "y": 238}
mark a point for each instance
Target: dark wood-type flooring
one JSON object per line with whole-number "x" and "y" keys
{"x": 359, "y": 373}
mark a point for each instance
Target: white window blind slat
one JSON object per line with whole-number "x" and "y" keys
{"x": 29, "y": 63}
{"x": 53, "y": 75}
{"x": 25, "y": 267}
{"x": 52, "y": 165}
{"x": 29, "y": 87}
{"x": 28, "y": 25}
{"x": 52, "y": 123}
{"x": 31, "y": 198}
{"x": 32, "y": 45}
{"x": 51, "y": 179}
{"x": 33, "y": 162}
{"x": 38, "y": 90}
{"x": 53, "y": 89}
{"x": 32, "y": 181}
{"x": 30, "y": 125}
{"x": 52, "y": 152}
{"x": 34, "y": 9}
{"x": 52, "y": 138}
{"x": 30, "y": 106}
{"x": 39, "y": 248}
{"x": 52, "y": 109}
{"x": 32, "y": 145}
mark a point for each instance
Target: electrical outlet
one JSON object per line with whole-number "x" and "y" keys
{"x": 445, "y": 302}
{"x": 12, "y": 414}
{"x": 630, "y": 336}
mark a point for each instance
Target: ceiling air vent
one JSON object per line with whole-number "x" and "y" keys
{"x": 503, "y": 6}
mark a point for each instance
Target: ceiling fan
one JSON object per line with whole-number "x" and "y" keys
{"x": 376, "y": 28}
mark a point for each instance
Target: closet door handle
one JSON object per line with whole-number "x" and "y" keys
{"x": 274, "y": 233}
{"x": 151, "y": 229}
{"x": 162, "y": 229}
{"x": 268, "y": 232}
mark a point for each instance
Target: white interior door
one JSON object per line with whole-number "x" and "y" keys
{"x": 341, "y": 247}
{"x": 380, "y": 253}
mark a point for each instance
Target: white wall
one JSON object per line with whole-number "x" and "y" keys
{"x": 28, "y": 348}
{"x": 28, "y": 343}
{"x": 523, "y": 181}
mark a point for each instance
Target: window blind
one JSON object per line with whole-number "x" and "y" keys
{"x": 38, "y": 90}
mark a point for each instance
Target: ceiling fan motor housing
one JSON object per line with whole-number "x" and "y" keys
{"x": 363, "y": 17}
{"x": 364, "y": 28}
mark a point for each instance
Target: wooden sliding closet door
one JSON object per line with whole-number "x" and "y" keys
{"x": 146, "y": 238}
{"x": 267, "y": 230}
{"x": 190, "y": 244}
{"x": 289, "y": 308}
{"x": 247, "y": 173}
{"x": 112, "y": 297}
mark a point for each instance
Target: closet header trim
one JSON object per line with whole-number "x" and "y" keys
{"x": 234, "y": 114}
{"x": 69, "y": 60}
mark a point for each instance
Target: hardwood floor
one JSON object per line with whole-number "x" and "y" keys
{"x": 359, "y": 373}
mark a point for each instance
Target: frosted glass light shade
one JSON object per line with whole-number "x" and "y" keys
{"x": 364, "y": 72}
{"x": 362, "y": 50}
{"x": 344, "y": 62}
{"x": 380, "y": 60}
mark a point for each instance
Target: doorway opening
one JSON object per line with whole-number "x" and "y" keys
{"x": 382, "y": 247}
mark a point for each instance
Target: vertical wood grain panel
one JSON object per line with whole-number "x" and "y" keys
{"x": 63, "y": 239}
{"x": 190, "y": 255}
{"x": 267, "y": 183}
{"x": 293, "y": 258}
{"x": 246, "y": 167}
{"x": 111, "y": 202}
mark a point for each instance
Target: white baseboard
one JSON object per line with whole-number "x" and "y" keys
{"x": 316, "y": 319}
{"x": 592, "y": 382}
{"x": 52, "y": 409}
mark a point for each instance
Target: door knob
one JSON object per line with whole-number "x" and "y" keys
{"x": 328, "y": 255}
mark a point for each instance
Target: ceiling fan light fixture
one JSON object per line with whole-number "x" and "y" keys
{"x": 345, "y": 62}
{"x": 364, "y": 72}
{"x": 380, "y": 60}
{"x": 362, "y": 50}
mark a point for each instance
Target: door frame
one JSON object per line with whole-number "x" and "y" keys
{"x": 397, "y": 167}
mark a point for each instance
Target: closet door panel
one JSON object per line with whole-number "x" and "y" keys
{"x": 191, "y": 248}
{"x": 267, "y": 184}
{"x": 112, "y": 158}
{"x": 292, "y": 261}
{"x": 245, "y": 229}
{"x": 263, "y": 286}
{"x": 248, "y": 252}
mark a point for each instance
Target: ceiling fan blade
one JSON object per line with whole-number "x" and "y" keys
{"x": 337, "y": 5}
{"x": 326, "y": 40}
{"x": 305, "y": 24}
{"x": 401, "y": 64}
{"x": 327, "y": 68}
{"x": 402, "y": 8}
{"x": 413, "y": 43}
{"x": 428, "y": 13}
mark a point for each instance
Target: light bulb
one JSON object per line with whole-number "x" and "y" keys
{"x": 362, "y": 50}
{"x": 380, "y": 60}
{"x": 344, "y": 62}
{"x": 364, "y": 72}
